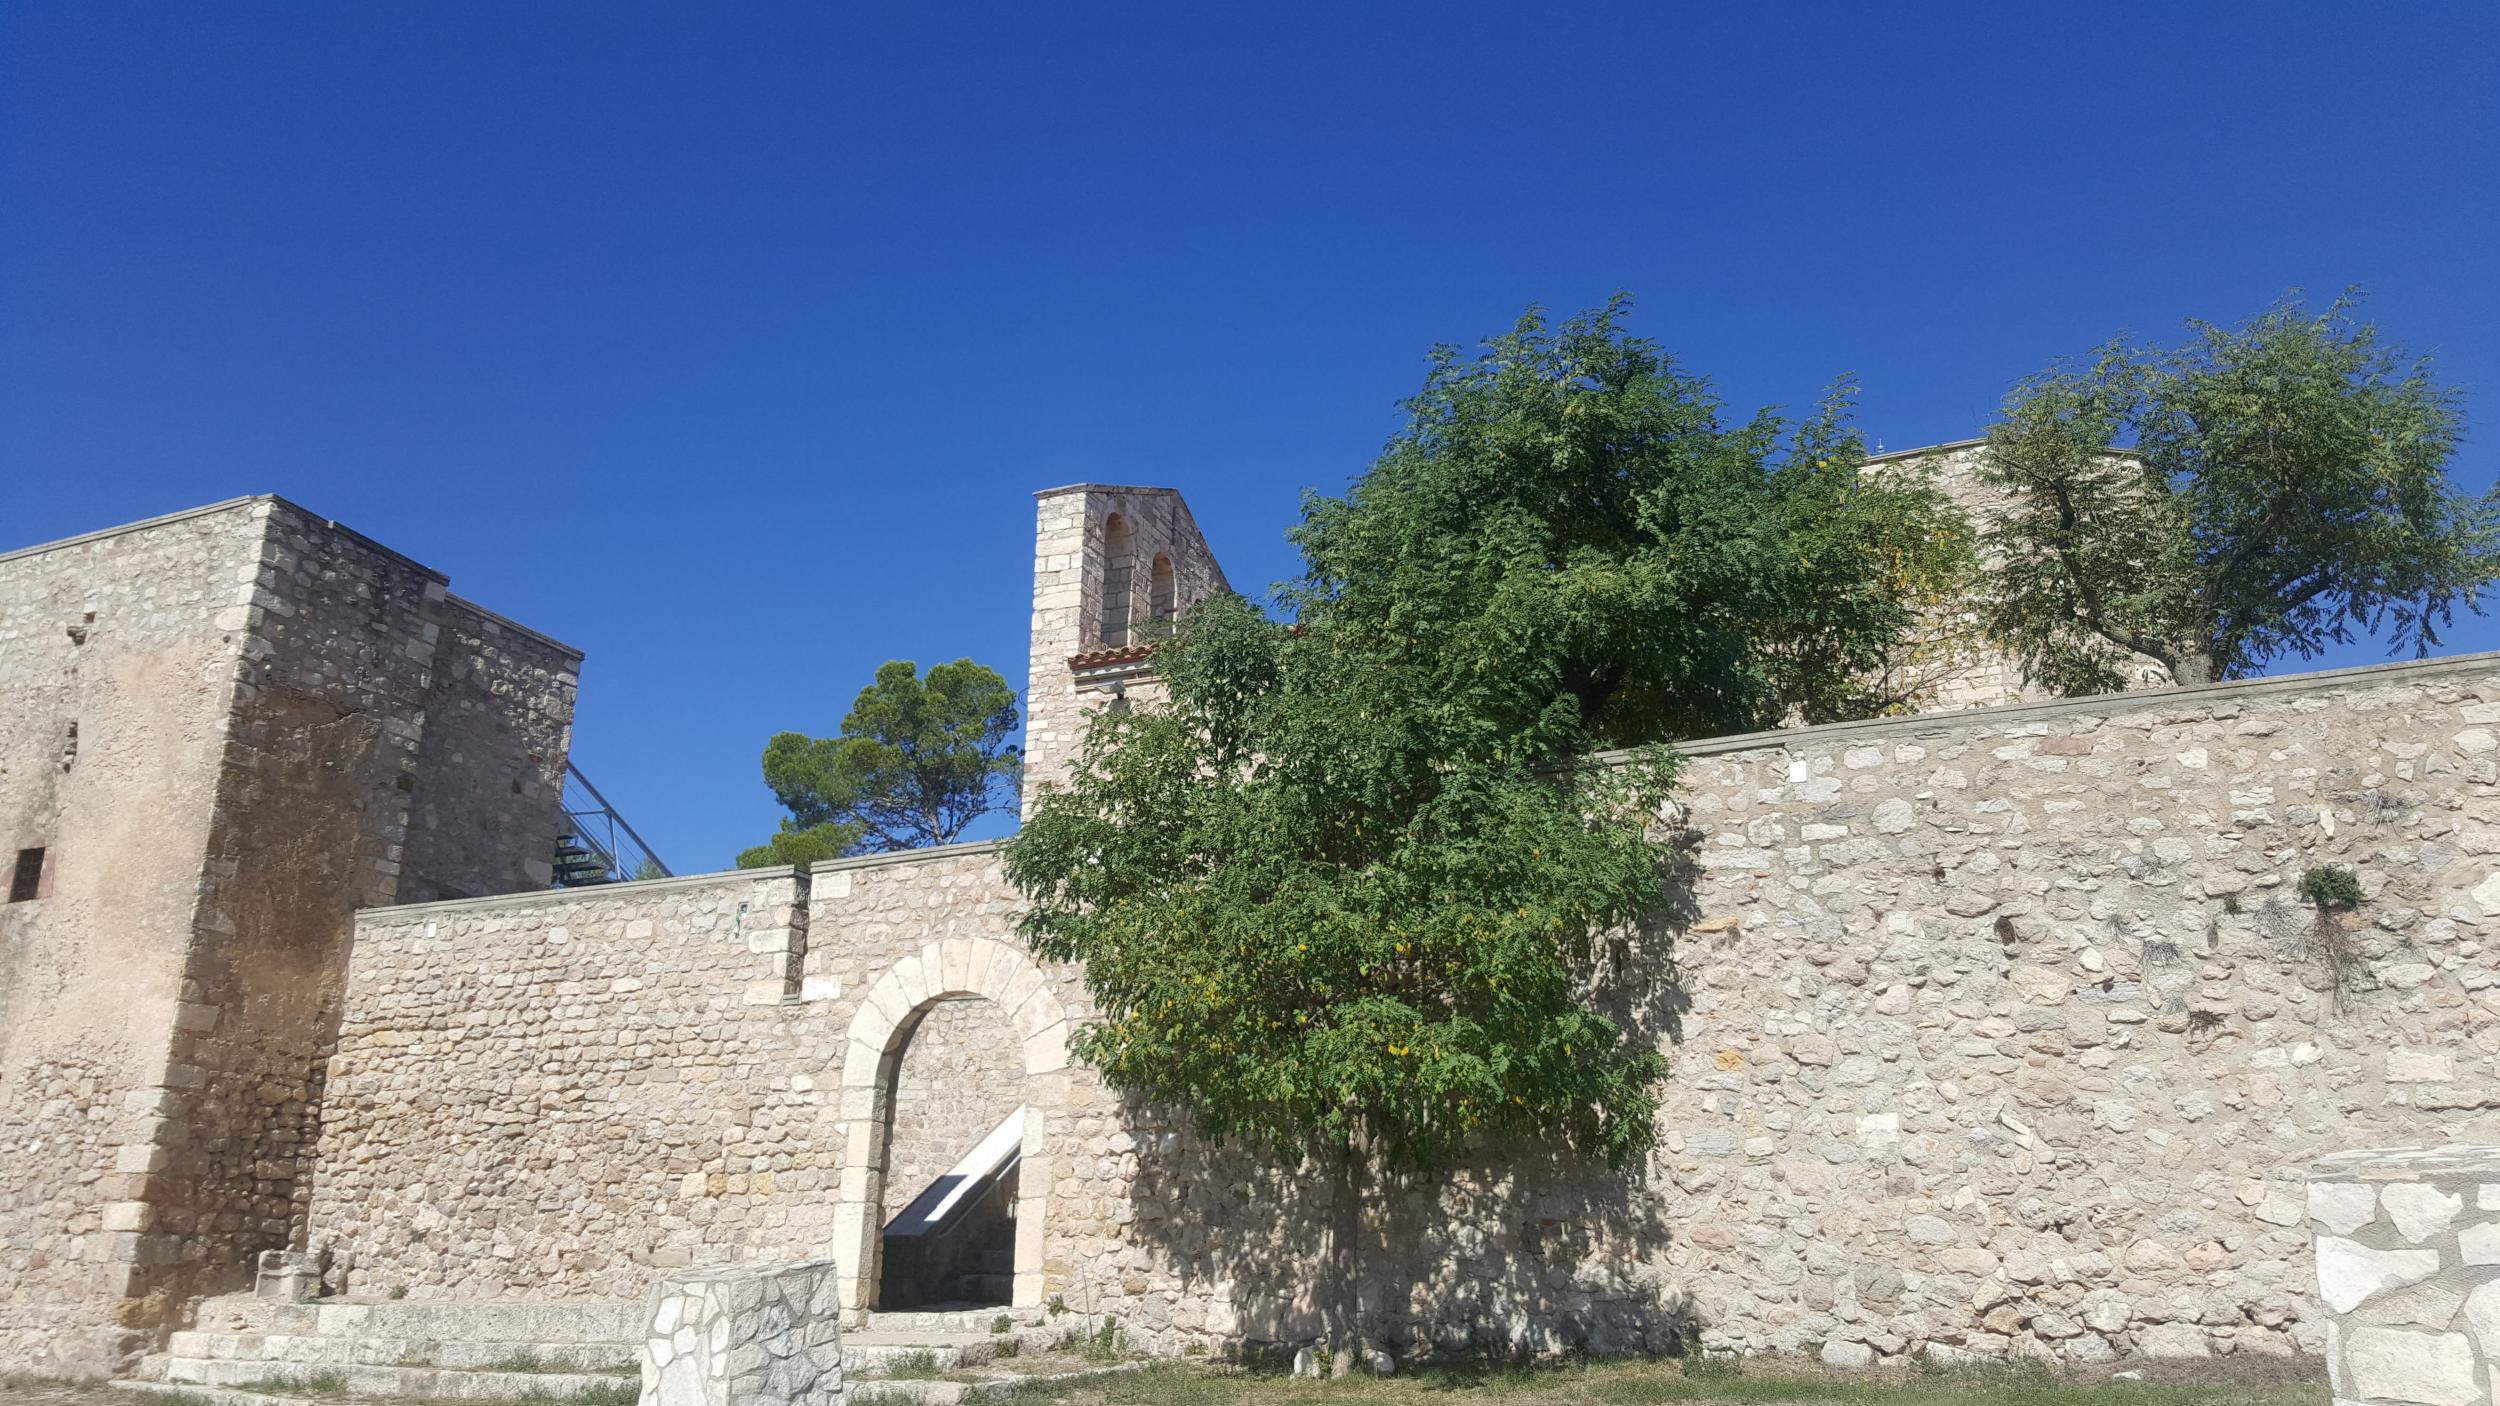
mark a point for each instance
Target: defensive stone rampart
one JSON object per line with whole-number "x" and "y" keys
{"x": 1995, "y": 1033}
{"x": 218, "y": 738}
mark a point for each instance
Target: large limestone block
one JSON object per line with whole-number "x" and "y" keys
{"x": 749, "y": 1335}
{"x": 2393, "y": 1364}
{"x": 2413, "y": 1299}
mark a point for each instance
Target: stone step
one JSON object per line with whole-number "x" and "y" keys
{"x": 357, "y": 1379}
{"x": 440, "y": 1320}
{"x": 920, "y": 1393}
{"x": 873, "y": 1355}
{"x": 960, "y": 1320}
{"x": 157, "y": 1392}
{"x": 402, "y": 1352}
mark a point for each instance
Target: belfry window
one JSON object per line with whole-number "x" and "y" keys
{"x": 1159, "y": 604}
{"x": 1116, "y": 573}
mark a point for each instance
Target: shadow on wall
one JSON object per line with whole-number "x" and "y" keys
{"x": 1524, "y": 1251}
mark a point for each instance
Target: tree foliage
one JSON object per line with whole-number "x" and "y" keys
{"x": 2288, "y": 491}
{"x": 1569, "y": 532}
{"x": 917, "y": 761}
{"x": 1343, "y": 891}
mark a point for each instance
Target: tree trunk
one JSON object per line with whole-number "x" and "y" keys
{"x": 2192, "y": 668}
{"x": 1342, "y": 1309}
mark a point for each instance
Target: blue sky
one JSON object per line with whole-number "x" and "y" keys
{"x": 728, "y": 342}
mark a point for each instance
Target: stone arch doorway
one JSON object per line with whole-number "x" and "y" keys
{"x": 940, "y": 981}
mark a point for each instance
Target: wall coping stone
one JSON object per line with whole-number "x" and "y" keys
{"x": 962, "y": 849}
{"x": 515, "y": 626}
{"x": 1105, "y": 488}
{"x": 587, "y": 893}
{"x": 2094, "y": 705}
{"x": 719, "y": 878}
{"x": 1925, "y": 449}
{"x": 142, "y": 525}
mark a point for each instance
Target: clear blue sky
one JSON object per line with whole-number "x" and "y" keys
{"x": 728, "y": 342}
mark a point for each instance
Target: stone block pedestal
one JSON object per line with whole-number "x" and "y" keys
{"x": 750, "y": 1335}
{"x": 2408, "y": 1247}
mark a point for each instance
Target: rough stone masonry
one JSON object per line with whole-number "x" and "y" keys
{"x": 221, "y": 732}
{"x": 2000, "y": 1032}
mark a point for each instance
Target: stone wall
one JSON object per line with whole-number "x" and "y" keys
{"x": 758, "y": 1335}
{"x": 2408, "y": 1251}
{"x": 122, "y": 637}
{"x": 561, "y": 1091}
{"x": 215, "y": 724}
{"x": 323, "y": 747}
{"x": 1946, "y": 664}
{"x": 960, "y": 1075}
{"x": 498, "y": 727}
{"x": 565, "y": 1092}
{"x": 1995, "y": 1032}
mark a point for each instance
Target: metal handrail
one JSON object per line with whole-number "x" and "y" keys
{"x": 580, "y": 820}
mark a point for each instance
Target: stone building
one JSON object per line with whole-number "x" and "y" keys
{"x": 1948, "y": 664}
{"x": 222, "y": 732}
{"x": 1998, "y": 1031}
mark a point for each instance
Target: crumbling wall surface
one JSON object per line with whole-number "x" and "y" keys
{"x": 131, "y": 638}
{"x": 487, "y": 804}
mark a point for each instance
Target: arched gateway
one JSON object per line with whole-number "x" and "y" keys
{"x": 956, "y": 967}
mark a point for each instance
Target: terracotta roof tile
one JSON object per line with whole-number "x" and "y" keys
{"x": 1120, "y": 654}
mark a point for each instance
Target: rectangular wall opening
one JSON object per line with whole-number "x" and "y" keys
{"x": 27, "y": 878}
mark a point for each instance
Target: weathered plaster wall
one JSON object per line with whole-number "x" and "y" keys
{"x": 1997, "y": 1032}
{"x": 250, "y": 687}
{"x": 129, "y": 636}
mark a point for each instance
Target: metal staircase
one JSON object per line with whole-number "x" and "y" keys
{"x": 596, "y": 845}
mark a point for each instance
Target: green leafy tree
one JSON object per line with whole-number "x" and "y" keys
{"x": 1342, "y": 892}
{"x": 2288, "y": 490}
{"x": 916, "y": 762}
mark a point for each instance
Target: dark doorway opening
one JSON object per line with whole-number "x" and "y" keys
{"x": 966, "y": 1259}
